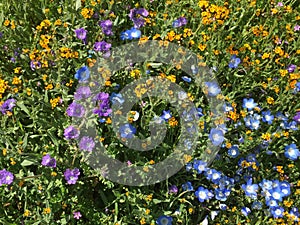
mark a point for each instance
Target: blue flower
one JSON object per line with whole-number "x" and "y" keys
{"x": 200, "y": 112}
{"x": 82, "y": 74}
{"x": 267, "y": 117}
{"x": 252, "y": 121}
{"x": 216, "y": 136}
{"x": 285, "y": 188}
{"x": 200, "y": 166}
{"x": 116, "y": 98}
{"x": 164, "y": 220}
{"x": 276, "y": 194}
{"x": 223, "y": 206}
{"x": 245, "y": 211}
{"x": 234, "y": 62}
{"x": 186, "y": 79}
{"x": 291, "y": 152}
{"x": 250, "y": 189}
{"x": 295, "y": 212}
{"x": 130, "y": 34}
{"x": 233, "y": 151}
{"x": 187, "y": 186}
{"x": 256, "y": 205}
{"x": 222, "y": 194}
{"x": 227, "y": 107}
{"x": 213, "y": 88}
{"x": 127, "y": 131}
{"x": 203, "y": 194}
{"x": 277, "y": 212}
{"x": 166, "y": 115}
{"x": 249, "y": 103}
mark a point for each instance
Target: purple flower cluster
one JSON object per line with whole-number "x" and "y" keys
{"x": 137, "y": 17}
{"x": 86, "y": 143}
{"x": 8, "y": 105}
{"x": 71, "y": 133}
{"x": 81, "y": 34}
{"x": 35, "y": 65}
{"x": 75, "y": 110}
{"x": 106, "y": 26}
{"x": 48, "y": 161}
{"x": 71, "y": 176}
{"x": 103, "y": 108}
{"x": 181, "y": 21}
{"x": 102, "y": 46}
{"x": 6, "y": 177}
{"x": 82, "y": 93}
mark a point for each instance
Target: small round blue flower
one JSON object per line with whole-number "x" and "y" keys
{"x": 82, "y": 74}
{"x": 216, "y": 136}
{"x": 164, "y": 220}
{"x": 291, "y": 152}
{"x": 127, "y": 131}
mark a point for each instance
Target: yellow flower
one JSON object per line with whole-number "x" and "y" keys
{"x": 17, "y": 70}
{"x": 172, "y": 78}
{"x": 26, "y": 213}
{"x": 147, "y": 211}
{"x": 47, "y": 210}
{"x": 53, "y": 174}
{"x": 202, "y": 47}
{"x": 143, "y": 221}
{"x": 4, "y": 152}
{"x": 265, "y": 55}
{"x": 149, "y": 197}
{"x": 57, "y": 22}
{"x": 6, "y": 23}
{"x": 187, "y": 158}
{"x": 173, "y": 122}
{"x": 266, "y": 136}
{"x": 270, "y": 100}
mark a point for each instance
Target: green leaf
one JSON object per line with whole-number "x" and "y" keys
{"x": 23, "y": 107}
{"x": 28, "y": 162}
{"x": 77, "y": 4}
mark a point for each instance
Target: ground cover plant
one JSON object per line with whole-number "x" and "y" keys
{"x": 49, "y": 51}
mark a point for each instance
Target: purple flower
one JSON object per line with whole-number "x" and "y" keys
{"x": 35, "y": 64}
{"x": 297, "y": 27}
{"x": 48, "y": 161}
{"x": 102, "y": 46}
{"x": 86, "y": 143}
{"x": 75, "y": 110}
{"x": 173, "y": 189}
{"x": 71, "y": 176}
{"x": 81, "y": 33}
{"x": 6, "y": 177}
{"x": 137, "y": 17}
{"x": 291, "y": 68}
{"x": 71, "y": 133}
{"x": 103, "y": 110}
{"x": 77, "y": 215}
{"x": 297, "y": 117}
{"x": 181, "y": 21}
{"x": 82, "y": 93}
{"x": 1, "y": 34}
{"x": 143, "y": 12}
{"x": 106, "y": 26}
{"x": 8, "y": 105}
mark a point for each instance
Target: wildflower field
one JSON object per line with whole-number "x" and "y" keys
{"x": 149, "y": 112}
